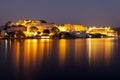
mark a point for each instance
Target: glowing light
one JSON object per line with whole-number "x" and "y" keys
{"x": 45, "y": 37}
{"x": 33, "y": 28}
{"x": 106, "y": 31}
{"x": 99, "y": 49}
{"x": 35, "y": 33}
{"x": 72, "y": 27}
{"x": 62, "y": 51}
{"x": 62, "y": 28}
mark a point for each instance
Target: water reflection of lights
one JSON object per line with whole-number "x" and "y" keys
{"x": 8, "y": 44}
{"x": 79, "y": 50}
{"x": 99, "y": 50}
{"x": 17, "y": 55}
{"x": 45, "y": 40}
{"x": 30, "y": 53}
{"x": 89, "y": 50}
{"x": 62, "y": 51}
{"x": 6, "y": 47}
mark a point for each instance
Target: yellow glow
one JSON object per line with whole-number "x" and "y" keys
{"x": 62, "y": 28}
{"x": 34, "y": 51}
{"x": 45, "y": 46}
{"x": 45, "y": 37}
{"x": 26, "y": 57}
{"x": 35, "y": 33}
{"x": 6, "y": 48}
{"x": 70, "y": 27}
{"x": 79, "y": 50}
{"x": 32, "y": 27}
{"x": 17, "y": 55}
{"x": 28, "y": 24}
{"x": 99, "y": 49}
{"x": 29, "y": 54}
{"x": 62, "y": 51}
{"x": 89, "y": 50}
{"x": 106, "y": 31}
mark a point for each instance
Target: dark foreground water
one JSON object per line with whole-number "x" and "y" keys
{"x": 64, "y": 59}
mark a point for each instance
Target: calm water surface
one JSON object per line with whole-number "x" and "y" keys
{"x": 63, "y": 59}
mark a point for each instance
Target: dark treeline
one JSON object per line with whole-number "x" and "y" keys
{"x": 118, "y": 30}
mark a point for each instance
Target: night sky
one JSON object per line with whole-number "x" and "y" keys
{"x": 86, "y": 12}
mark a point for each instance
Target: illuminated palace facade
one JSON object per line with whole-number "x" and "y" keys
{"x": 32, "y": 28}
{"x": 108, "y": 31}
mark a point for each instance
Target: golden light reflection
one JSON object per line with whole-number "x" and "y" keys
{"x": 34, "y": 52}
{"x": 26, "y": 57}
{"x": 6, "y": 48}
{"x": 80, "y": 46}
{"x": 99, "y": 50}
{"x": 89, "y": 51}
{"x": 17, "y": 55}
{"x": 62, "y": 51}
{"x": 45, "y": 37}
{"x": 41, "y": 49}
{"x": 15, "y": 47}
{"x": 109, "y": 45}
{"x": 29, "y": 52}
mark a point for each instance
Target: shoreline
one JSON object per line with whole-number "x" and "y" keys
{"x": 57, "y": 38}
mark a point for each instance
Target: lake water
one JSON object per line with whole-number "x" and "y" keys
{"x": 60, "y": 59}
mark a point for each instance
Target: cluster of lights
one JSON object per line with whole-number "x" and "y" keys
{"x": 39, "y": 27}
{"x": 106, "y": 31}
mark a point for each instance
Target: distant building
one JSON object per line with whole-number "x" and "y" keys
{"x": 30, "y": 27}
{"x": 105, "y": 31}
{"x": 72, "y": 27}
{"x": 33, "y": 28}
{"x": 14, "y": 29}
{"x": 77, "y": 30}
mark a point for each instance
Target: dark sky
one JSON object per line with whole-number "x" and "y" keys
{"x": 86, "y": 12}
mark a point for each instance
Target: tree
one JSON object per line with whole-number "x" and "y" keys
{"x": 8, "y": 24}
{"x": 20, "y": 26}
{"x": 43, "y": 21}
{"x": 46, "y": 31}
